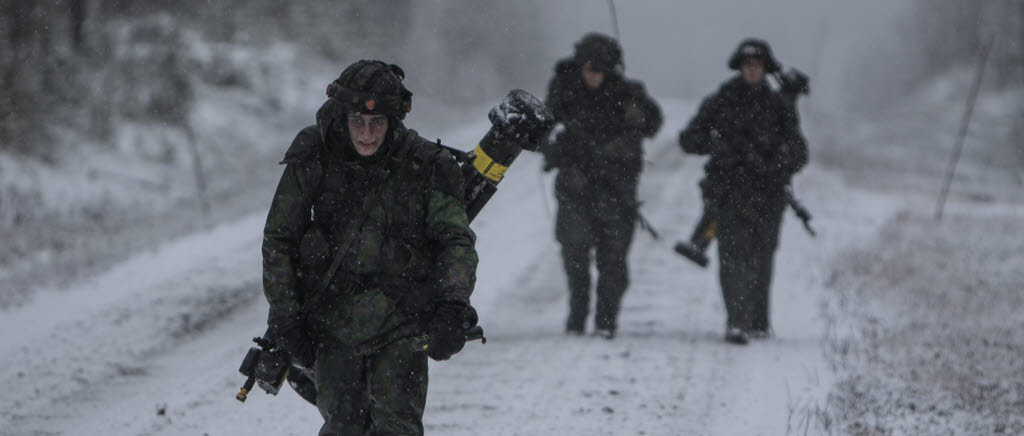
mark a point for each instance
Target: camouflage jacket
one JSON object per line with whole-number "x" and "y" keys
{"x": 753, "y": 139}
{"x": 604, "y": 129}
{"x": 398, "y": 216}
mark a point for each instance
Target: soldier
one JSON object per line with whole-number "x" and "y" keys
{"x": 753, "y": 138}
{"x": 368, "y": 235}
{"x": 599, "y": 156}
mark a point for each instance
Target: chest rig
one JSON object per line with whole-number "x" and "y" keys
{"x": 368, "y": 220}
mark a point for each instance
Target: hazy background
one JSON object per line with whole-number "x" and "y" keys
{"x": 857, "y": 53}
{"x": 115, "y": 112}
{"x": 129, "y": 129}
{"x": 74, "y": 57}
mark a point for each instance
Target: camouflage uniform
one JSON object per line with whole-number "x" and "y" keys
{"x": 399, "y": 218}
{"x": 754, "y": 141}
{"x": 599, "y": 156}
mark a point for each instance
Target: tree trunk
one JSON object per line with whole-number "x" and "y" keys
{"x": 77, "y": 12}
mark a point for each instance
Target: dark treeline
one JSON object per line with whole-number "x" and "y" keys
{"x": 80, "y": 66}
{"x": 85, "y": 64}
{"x": 951, "y": 32}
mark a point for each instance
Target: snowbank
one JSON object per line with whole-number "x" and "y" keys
{"x": 926, "y": 321}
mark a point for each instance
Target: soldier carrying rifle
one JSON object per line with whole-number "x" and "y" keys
{"x": 753, "y": 138}
{"x": 599, "y": 157}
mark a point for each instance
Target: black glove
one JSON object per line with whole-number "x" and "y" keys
{"x": 718, "y": 144}
{"x": 635, "y": 118}
{"x": 795, "y": 82}
{"x": 552, "y": 153}
{"x": 291, "y": 337}
{"x": 447, "y": 329}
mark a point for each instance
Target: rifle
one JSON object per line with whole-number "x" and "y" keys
{"x": 646, "y": 225}
{"x": 695, "y": 249}
{"x": 268, "y": 367}
{"x": 519, "y": 122}
{"x": 801, "y": 211}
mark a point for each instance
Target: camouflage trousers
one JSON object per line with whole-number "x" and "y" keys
{"x": 382, "y": 393}
{"x": 581, "y": 230}
{"x": 746, "y": 252}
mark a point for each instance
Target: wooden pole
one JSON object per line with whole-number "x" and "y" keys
{"x": 197, "y": 169}
{"x": 972, "y": 98}
{"x": 615, "y": 20}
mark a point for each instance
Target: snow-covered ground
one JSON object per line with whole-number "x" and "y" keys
{"x": 94, "y": 202}
{"x": 152, "y": 344}
{"x": 925, "y": 314}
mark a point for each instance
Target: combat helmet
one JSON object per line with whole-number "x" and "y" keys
{"x": 757, "y": 49}
{"x": 372, "y": 87}
{"x": 367, "y": 87}
{"x": 603, "y": 52}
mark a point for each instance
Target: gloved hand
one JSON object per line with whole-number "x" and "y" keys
{"x": 552, "y": 155}
{"x": 795, "y": 82}
{"x": 447, "y": 329}
{"x": 634, "y": 117}
{"x": 291, "y": 337}
{"x": 718, "y": 145}
{"x": 753, "y": 160}
{"x": 549, "y": 165}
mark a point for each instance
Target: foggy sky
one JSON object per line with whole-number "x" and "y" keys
{"x": 678, "y": 48}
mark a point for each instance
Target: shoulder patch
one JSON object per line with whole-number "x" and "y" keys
{"x": 305, "y": 147}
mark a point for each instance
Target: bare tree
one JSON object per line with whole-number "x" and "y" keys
{"x": 951, "y": 32}
{"x": 77, "y": 11}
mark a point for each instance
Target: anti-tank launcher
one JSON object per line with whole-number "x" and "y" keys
{"x": 520, "y": 122}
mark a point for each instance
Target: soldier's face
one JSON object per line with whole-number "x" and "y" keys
{"x": 753, "y": 71}
{"x": 367, "y": 132}
{"x": 593, "y": 79}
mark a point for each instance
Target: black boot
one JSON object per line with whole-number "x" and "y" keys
{"x": 605, "y": 333}
{"x": 736, "y": 335}
{"x": 574, "y": 326}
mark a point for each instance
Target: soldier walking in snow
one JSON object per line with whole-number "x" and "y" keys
{"x": 752, "y": 136}
{"x": 599, "y": 157}
{"x": 368, "y": 234}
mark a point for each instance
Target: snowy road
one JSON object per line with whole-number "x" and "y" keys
{"x": 152, "y": 346}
